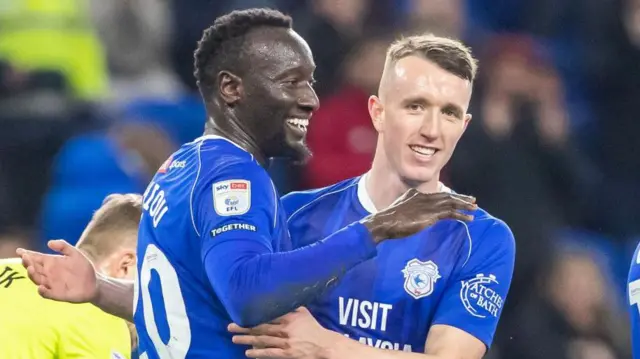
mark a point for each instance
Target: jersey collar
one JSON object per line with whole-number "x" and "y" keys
{"x": 216, "y": 137}
{"x": 365, "y": 199}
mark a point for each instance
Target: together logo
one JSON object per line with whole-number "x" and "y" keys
{"x": 233, "y": 227}
{"x": 479, "y": 298}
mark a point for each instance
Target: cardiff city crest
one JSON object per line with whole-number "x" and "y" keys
{"x": 420, "y": 278}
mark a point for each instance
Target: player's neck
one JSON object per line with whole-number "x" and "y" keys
{"x": 237, "y": 135}
{"x": 384, "y": 185}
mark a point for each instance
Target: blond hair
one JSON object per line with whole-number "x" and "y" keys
{"x": 118, "y": 215}
{"x": 449, "y": 54}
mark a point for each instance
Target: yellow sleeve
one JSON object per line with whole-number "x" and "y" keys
{"x": 91, "y": 333}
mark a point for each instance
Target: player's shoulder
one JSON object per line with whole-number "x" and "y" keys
{"x": 216, "y": 158}
{"x": 295, "y": 202}
{"x": 488, "y": 231}
{"x": 211, "y": 151}
{"x": 221, "y": 150}
{"x": 486, "y": 226}
{"x": 484, "y": 221}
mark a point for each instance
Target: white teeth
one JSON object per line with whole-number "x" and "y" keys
{"x": 427, "y": 151}
{"x": 301, "y": 123}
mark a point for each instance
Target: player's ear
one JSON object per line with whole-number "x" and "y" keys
{"x": 467, "y": 120}
{"x": 126, "y": 263}
{"x": 230, "y": 87}
{"x": 376, "y": 112}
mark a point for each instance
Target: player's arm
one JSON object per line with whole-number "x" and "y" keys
{"x": 298, "y": 335}
{"x": 256, "y": 282}
{"x": 115, "y": 296}
{"x": 71, "y": 277}
{"x": 467, "y": 316}
{"x": 472, "y": 303}
{"x": 463, "y": 327}
{"x": 237, "y": 227}
{"x": 443, "y": 342}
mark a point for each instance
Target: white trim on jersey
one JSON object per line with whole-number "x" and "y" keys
{"x": 466, "y": 227}
{"x": 275, "y": 203}
{"x": 363, "y": 195}
{"x": 193, "y": 221}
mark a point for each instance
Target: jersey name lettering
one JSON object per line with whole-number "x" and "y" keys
{"x": 155, "y": 203}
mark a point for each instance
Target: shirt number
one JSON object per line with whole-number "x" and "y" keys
{"x": 179, "y": 329}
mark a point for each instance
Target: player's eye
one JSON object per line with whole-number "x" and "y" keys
{"x": 451, "y": 113}
{"x": 298, "y": 83}
{"x": 415, "y": 107}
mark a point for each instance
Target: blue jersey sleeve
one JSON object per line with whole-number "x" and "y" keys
{"x": 235, "y": 214}
{"x": 633, "y": 295}
{"x": 474, "y": 299}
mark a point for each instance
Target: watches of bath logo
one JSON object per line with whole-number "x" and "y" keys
{"x": 479, "y": 296}
{"x": 420, "y": 278}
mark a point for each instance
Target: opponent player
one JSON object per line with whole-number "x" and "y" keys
{"x": 34, "y": 327}
{"x": 439, "y": 292}
{"x": 634, "y": 302}
{"x": 213, "y": 234}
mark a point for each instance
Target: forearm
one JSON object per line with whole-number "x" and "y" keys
{"x": 344, "y": 347}
{"x": 258, "y": 287}
{"x": 115, "y": 297}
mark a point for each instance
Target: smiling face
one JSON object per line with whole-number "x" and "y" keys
{"x": 420, "y": 116}
{"x": 279, "y": 97}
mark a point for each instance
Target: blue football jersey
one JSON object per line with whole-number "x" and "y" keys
{"x": 196, "y": 197}
{"x": 213, "y": 248}
{"x": 452, "y": 273}
{"x": 633, "y": 294}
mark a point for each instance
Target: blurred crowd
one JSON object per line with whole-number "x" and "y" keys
{"x": 95, "y": 94}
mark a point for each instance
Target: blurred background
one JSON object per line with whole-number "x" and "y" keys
{"x": 95, "y": 94}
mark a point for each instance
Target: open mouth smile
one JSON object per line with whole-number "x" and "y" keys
{"x": 300, "y": 123}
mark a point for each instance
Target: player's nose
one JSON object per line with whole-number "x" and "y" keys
{"x": 308, "y": 100}
{"x": 430, "y": 127}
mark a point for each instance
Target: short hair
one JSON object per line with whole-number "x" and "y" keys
{"x": 449, "y": 54}
{"x": 119, "y": 214}
{"x": 221, "y": 46}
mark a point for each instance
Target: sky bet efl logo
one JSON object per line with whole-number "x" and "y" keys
{"x": 232, "y": 197}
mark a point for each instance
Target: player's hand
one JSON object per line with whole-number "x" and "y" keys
{"x": 295, "y": 335}
{"x": 414, "y": 211}
{"x": 69, "y": 277}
